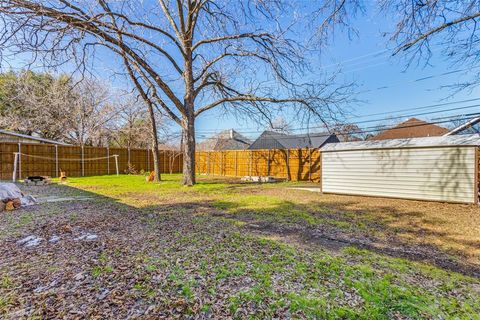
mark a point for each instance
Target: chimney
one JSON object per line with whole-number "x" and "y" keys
{"x": 231, "y": 133}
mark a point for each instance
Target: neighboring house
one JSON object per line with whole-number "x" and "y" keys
{"x": 14, "y": 137}
{"x": 276, "y": 140}
{"x": 225, "y": 140}
{"x": 412, "y": 128}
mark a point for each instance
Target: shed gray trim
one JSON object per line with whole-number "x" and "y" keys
{"x": 445, "y": 141}
{"x": 26, "y": 136}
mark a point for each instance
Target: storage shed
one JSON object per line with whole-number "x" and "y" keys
{"x": 431, "y": 168}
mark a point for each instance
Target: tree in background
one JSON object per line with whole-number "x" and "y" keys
{"x": 87, "y": 112}
{"x": 134, "y": 129}
{"x": 91, "y": 114}
{"x": 184, "y": 57}
{"x": 56, "y": 108}
{"x": 280, "y": 125}
{"x": 347, "y": 132}
{"x": 34, "y": 103}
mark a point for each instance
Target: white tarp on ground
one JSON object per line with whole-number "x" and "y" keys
{"x": 11, "y": 191}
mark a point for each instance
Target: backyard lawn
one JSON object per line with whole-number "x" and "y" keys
{"x": 117, "y": 247}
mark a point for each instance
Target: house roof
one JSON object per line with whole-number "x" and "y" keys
{"x": 225, "y": 140}
{"x": 444, "y": 141}
{"x": 26, "y": 136}
{"x": 276, "y": 140}
{"x": 412, "y": 128}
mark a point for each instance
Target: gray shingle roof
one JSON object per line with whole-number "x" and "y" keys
{"x": 225, "y": 140}
{"x": 275, "y": 140}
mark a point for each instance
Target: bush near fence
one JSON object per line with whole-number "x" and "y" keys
{"x": 39, "y": 159}
{"x": 292, "y": 164}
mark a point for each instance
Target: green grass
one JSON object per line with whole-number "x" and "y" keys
{"x": 269, "y": 278}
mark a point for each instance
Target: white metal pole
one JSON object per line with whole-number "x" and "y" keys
{"x": 15, "y": 161}
{"x": 83, "y": 163}
{"x": 108, "y": 160}
{"x": 116, "y": 162}
{"x": 19, "y": 160}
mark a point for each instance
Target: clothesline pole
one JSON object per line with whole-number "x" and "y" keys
{"x": 15, "y": 161}
{"x": 116, "y": 162}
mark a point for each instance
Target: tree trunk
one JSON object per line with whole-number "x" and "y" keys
{"x": 156, "y": 157}
{"x": 188, "y": 137}
{"x": 156, "y": 162}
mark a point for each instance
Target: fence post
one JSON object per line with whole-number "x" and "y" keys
{"x": 162, "y": 170}
{"x": 208, "y": 162}
{"x": 56, "y": 160}
{"x": 222, "y": 169}
{"x": 148, "y": 159}
{"x": 213, "y": 163}
{"x": 108, "y": 160}
{"x": 287, "y": 162}
{"x": 83, "y": 162}
{"x": 19, "y": 161}
{"x": 268, "y": 163}
{"x": 250, "y": 163}
{"x": 310, "y": 164}
{"x": 15, "y": 161}
{"x": 236, "y": 163}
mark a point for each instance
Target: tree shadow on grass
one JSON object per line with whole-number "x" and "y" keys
{"x": 336, "y": 225}
{"x": 147, "y": 257}
{"x": 330, "y": 224}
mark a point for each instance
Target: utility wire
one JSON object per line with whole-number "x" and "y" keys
{"x": 377, "y": 53}
{"x": 381, "y": 119}
{"x": 458, "y": 117}
{"x": 419, "y": 79}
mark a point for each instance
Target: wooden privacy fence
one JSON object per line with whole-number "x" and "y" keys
{"x": 48, "y": 160}
{"x": 43, "y": 159}
{"x": 293, "y": 164}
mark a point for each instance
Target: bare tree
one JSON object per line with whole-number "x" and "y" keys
{"x": 55, "y": 108}
{"x": 448, "y": 26}
{"x": 281, "y": 125}
{"x": 420, "y": 28}
{"x": 132, "y": 128}
{"x": 34, "y": 103}
{"x": 347, "y": 132}
{"x": 89, "y": 113}
{"x": 184, "y": 57}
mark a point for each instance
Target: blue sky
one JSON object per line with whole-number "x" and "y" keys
{"x": 384, "y": 84}
{"x": 366, "y": 60}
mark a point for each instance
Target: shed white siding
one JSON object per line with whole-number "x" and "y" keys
{"x": 429, "y": 173}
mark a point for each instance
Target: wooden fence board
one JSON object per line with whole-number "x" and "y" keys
{"x": 294, "y": 165}
{"x": 40, "y": 159}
